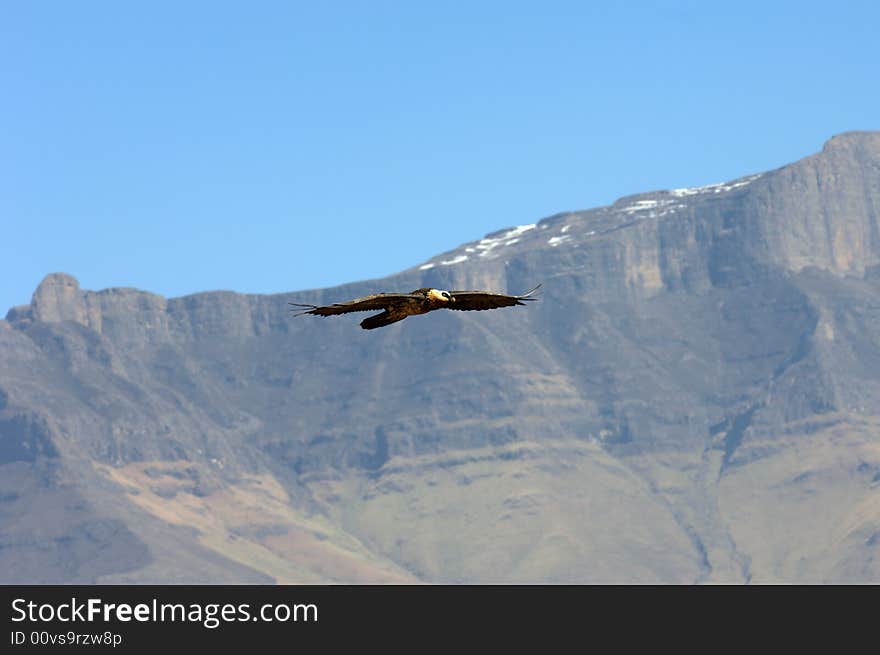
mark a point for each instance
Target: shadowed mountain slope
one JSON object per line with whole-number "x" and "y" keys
{"x": 695, "y": 398}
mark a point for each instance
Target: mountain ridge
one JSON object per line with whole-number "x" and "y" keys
{"x": 686, "y": 340}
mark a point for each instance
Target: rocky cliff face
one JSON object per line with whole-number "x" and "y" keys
{"x": 694, "y": 398}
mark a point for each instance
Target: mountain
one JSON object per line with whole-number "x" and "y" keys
{"x": 695, "y": 398}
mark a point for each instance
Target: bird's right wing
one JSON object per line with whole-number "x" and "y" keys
{"x": 480, "y": 300}
{"x": 367, "y": 303}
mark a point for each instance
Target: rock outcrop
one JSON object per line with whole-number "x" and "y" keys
{"x": 702, "y": 362}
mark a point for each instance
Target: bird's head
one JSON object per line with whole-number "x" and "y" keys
{"x": 440, "y": 296}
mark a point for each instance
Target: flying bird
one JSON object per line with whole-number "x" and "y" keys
{"x": 397, "y": 306}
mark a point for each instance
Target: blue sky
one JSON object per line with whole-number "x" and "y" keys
{"x": 275, "y": 146}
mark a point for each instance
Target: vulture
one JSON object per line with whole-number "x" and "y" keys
{"x": 397, "y": 306}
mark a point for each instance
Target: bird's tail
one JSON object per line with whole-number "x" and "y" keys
{"x": 379, "y": 320}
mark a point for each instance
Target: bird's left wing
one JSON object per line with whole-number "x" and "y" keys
{"x": 479, "y": 300}
{"x": 367, "y": 303}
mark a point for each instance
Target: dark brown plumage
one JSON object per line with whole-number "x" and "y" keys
{"x": 397, "y": 306}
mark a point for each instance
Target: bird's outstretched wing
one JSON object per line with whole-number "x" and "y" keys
{"x": 479, "y": 300}
{"x": 367, "y": 303}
